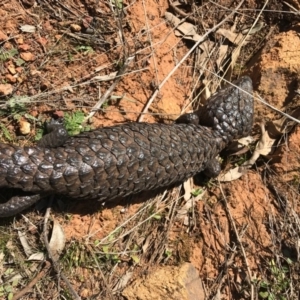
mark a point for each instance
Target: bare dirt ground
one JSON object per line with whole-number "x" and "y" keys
{"x": 242, "y": 236}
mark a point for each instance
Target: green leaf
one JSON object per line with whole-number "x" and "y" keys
{"x": 73, "y": 122}
{"x": 289, "y": 261}
{"x": 115, "y": 258}
{"x": 30, "y": 117}
{"x": 5, "y": 55}
{"x": 8, "y": 271}
{"x": 111, "y": 237}
{"x": 85, "y": 49}
{"x": 196, "y": 192}
{"x": 15, "y": 282}
{"x": 264, "y": 295}
{"x": 119, "y": 4}
{"x": 10, "y": 296}
{"x": 105, "y": 249}
{"x": 17, "y": 117}
{"x": 5, "y": 132}
{"x": 264, "y": 284}
{"x": 156, "y": 217}
{"x": 39, "y": 134}
{"x": 168, "y": 253}
{"x": 19, "y": 62}
{"x": 135, "y": 258}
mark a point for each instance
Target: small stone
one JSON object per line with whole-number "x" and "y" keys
{"x": 20, "y": 41}
{"x": 27, "y": 56}
{"x": 6, "y": 89}
{"x": 24, "y": 127}
{"x": 70, "y": 75}
{"x": 24, "y": 47}
{"x": 47, "y": 26}
{"x": 85, "y": 293}
{"x": 58, "y": 37}
{"x": 12, "y": 70}
{"x": 168, "y": 282}
{"x": 10, "y": 78}
{"x": 42, "y": 41}
{"x": 75, "y": 27}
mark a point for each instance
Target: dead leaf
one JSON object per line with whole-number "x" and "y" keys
{"x": 207, "y": 93}
{"x": 123, "y": 281}
{"x": 105, "y": 77}
{"x": 284, "y": 124}
{"x": 23, "y": 239}
{"x": 183, "y": 212}
{"x": 146, "y": 243}
{"x": 234, "y": 56}
{"x": 28, "y": 28}
{"x": 172, "y": 19}
{"x": 258, "y": 26}
{"x": 207, "y": 46}
{"x": 57, "y": 241}
{"x": 222, "y": 54}
{"x": 246, "y": 141}
{"x": 233, "y": 37}
{"x": 264, "y": 145}
{"x": 184, "y": 29}
{"x": 187, "y": 31}
{"x": 38, "y": 256}
{"x": 187, "y": 185}
{"x": 233, "y": 174}
{"x": 240, "y": 146}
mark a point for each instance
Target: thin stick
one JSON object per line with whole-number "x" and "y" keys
{"x": 33, "y": 282}
{"x": 141, "y": 117}
{"x": 148, "y": 32}
{"x": 239, "y": 241}
{"x": 111, "y": 88}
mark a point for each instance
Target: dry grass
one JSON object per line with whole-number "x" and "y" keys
{"x": 244, "y": 248}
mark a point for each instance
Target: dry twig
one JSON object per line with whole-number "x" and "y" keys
{"x": 141, "y": 117}
{"x": 33, "y": 282}
{"x": 239, "y": 241}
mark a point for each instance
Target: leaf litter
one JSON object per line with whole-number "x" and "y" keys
{"x": 205, "y": 245}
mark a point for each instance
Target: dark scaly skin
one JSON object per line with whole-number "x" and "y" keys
{"x": 121, "y": 160}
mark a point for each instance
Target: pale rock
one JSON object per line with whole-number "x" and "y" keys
{"x": 27, "y": 56}
{"x": 167, "y": 282}
{"x": 6, "y": 89}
